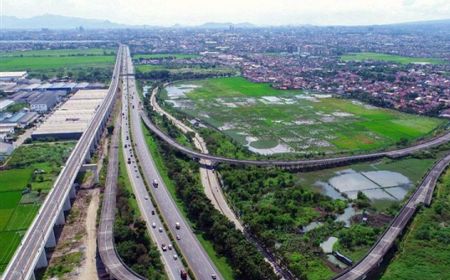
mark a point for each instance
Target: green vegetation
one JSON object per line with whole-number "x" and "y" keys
{"x": 364, "y": 56}
{"x": 60, "y": 52}
{"x": 130, "y": 232}
{"x": 424, "y": 252}
{"x": 166, "y": 55}
{"x": 30, "y": 173}
{"x": 63, "y": 265}
{"x": 83, "y": 64}
{"x": 232, "y": 254}
{"x": 261, "y": 117}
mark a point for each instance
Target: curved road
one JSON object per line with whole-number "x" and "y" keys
{"x": 105, "y": 237}
{"x": 423, "y": 194}
{"x": 32, "y": 246}
{"x": 196, "y": 257}
{"x": 145, "y": 204}
{"x": 324, "y": 162}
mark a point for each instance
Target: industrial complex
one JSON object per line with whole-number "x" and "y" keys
{"x": 71, "y": 119}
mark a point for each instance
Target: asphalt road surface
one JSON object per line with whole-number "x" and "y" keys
{"x": 156, "y": 230}
{"x": 195, "y": 255}
{"x": 32, "y": 246}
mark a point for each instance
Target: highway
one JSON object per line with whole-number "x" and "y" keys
{"x": 312, "y": 163}
{"x": 105, "y": 237}
{"x": 149, "y": 214}
{"x": 374, "y": 257}
{"x": 26, "y": 256}
{"x": 195, "y": 255}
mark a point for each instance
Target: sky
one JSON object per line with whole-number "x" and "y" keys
{"x": 260, "y": 12}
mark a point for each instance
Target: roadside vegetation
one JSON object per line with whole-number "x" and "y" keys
{"x": 424, "y": 252}
{"x": 28, "y": 176}
{"x": 227, "y": 247}
{"x": 133, "y": 244}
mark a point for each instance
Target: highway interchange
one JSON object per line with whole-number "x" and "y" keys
{"x": 135, "y": 148}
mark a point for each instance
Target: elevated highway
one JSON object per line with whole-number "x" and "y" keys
{"x": 31, "y": 253}
{"x": 423, "y": 195}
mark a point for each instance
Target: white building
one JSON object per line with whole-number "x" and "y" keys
{"x": 12, "y": 76}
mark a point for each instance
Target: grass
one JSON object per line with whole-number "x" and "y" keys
{"x": 60, "y": 52}
{"x": 14, "y": 179}
{"x": 166, "y": 55}
{"x": 364, "y": 56}
{"x": 220, "y": 262}
{"x": 17, "y": 211}
{"x": 258, "y": 115}
{"x": 424, "y": 252}
{"x": 30, "y": 63}
{"x": 63, "y": 264}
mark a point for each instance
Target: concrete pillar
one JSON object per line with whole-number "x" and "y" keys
{"x": 51, "y": 240}
{"x": 72, "y": 192}
{"x": 42, "y": 261}
{"x": 67, "y": 205}
{"x": 60, "y": 220}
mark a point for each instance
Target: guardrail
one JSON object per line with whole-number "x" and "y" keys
{"x": 26, "y": 256}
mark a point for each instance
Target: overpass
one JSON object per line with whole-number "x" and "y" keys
{"x": 373, "y": 259}
{"x": 31, "y": 253}
{"x": 297, "y": 164}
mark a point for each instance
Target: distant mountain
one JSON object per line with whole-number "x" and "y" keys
{"x": 57, "y": 22}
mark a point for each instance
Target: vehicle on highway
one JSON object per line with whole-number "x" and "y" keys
{"x": 178, "y": 237}
{"x": 155, "y": 183}
{"x": 177, "y": 225}
{"x": 164, "y": 247}
{"x": 146, "y": 197}
{"x": 153, "y": 225}
{"x": 153, "y": 212}
{"x": 213, "y": 276}
{"x": 160, "y": 229}
{"x": 175, "y": 256}
{"x": 169, "y": 246}
{"x": 183, "y": 275}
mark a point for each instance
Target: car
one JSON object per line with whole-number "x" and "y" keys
{"x": 160, "y": 229}
{"x": 213, "y": 276}
{"x": 146, "y": 197}
{"x": 178, "y": 237}
{"x": 153, "y": 212}
{"x": 164, "y": 247}
{"x": 169, "y": 246}
{"x": 155, "y": 183}
{"x": 153, "y": 225}
{"x": 175, "y": 256}
{"x": 177, "y": 225}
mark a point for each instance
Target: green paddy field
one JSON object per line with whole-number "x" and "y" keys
{"x": 35, "y": 166}
{"x": 49, "y": 62}
{"x": 269, "y": 121}
{"x": 363, "y": 56}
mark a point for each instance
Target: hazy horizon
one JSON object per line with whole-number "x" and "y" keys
{"x": 195, "y": 12}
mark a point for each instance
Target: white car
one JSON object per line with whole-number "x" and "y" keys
{"x": 160, "y": 229}
{"x": 175, "y": 256}
{"x": 170, "y": 246}
{"x": 153, "y": 225}
{"x": 146, "y": 197}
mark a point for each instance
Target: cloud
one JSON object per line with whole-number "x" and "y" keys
{"x": 267, "y": 12}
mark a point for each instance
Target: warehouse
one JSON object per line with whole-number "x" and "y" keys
{"x": 73, "y": 117}
{"x": 43, "y": 102}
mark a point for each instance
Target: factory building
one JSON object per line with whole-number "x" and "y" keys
{"x": 71, "y": 119}
{"x": 43, "y": 102}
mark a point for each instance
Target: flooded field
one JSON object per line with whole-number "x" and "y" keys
{"x": 269, "y": 121}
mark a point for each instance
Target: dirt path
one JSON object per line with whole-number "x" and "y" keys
{"x": 89, "y": 268}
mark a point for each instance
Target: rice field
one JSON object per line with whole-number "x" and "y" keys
{"x": 271, "y": 121}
